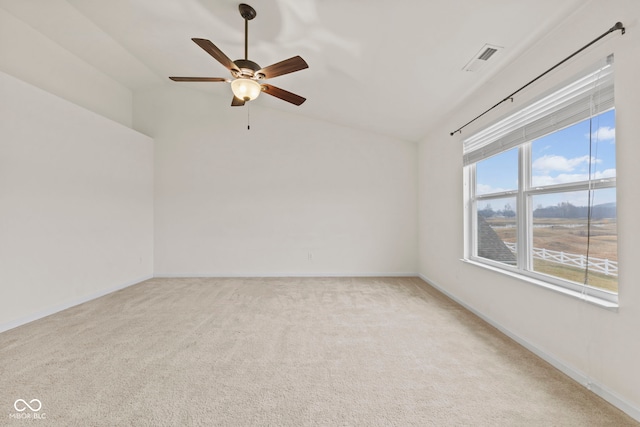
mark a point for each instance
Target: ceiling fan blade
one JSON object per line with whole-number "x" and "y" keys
{"x": 237, "y": 102}
{"x": 283, "y": 67}
{"x": 198, "y": 79}
{"x": 213, "y": 50}
{"x": 283, "y": 94}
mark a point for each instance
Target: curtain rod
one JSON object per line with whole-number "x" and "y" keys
{"x": 617, "y": 26}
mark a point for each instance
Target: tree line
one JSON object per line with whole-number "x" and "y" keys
{"x": 561, "y": 210}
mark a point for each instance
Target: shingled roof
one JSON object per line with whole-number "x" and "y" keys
{"x": 491, "y": 246}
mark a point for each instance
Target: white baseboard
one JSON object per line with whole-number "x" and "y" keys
{"x": 222, "y": 275}
{"x": 570, "y": 371}
{"x": 57, "y": 308}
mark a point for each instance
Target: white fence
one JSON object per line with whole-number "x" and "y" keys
{"x": 605, "y": 266}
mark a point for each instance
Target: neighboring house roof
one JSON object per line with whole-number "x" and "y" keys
{"x": 491, "y": 246}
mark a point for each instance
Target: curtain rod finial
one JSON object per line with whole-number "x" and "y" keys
{"x": 618, "y": 26}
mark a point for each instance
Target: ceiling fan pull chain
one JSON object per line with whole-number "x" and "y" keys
{"x": 248, "y": 116}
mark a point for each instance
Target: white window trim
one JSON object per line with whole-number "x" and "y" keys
{"x": 610, "y": 305}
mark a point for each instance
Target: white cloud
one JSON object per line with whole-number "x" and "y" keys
{"x": 540, "y": 150}
{"x": 550, "y": 162}
{"x": 487, "y": 189}
{"x": 604, "y": 133}
{"x": 542, "y": 180}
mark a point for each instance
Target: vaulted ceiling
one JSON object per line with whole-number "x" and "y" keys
{"x": 391, "y": 67}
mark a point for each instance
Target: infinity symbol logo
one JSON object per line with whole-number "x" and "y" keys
{"x": 21, "y": 405}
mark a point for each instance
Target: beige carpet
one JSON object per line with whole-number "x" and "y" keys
{"x": 282, "y": 352}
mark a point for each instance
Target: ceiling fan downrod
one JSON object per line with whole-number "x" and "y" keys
{"x": 248, "y": 13}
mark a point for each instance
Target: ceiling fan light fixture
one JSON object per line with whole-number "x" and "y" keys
{"x": 246, "y": 74}
{"x": 246, "y": 89}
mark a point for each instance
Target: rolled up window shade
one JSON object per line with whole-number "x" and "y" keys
{"x": 587, "y": 95}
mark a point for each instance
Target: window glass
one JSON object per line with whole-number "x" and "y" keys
{"x": 497, "y": 174}
{"x": 563, "y": 157}
{"x": 496, "y": 230}
{"x": 562, "y": 233}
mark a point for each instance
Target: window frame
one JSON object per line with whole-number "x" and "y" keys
{"x": 524, "y": 207}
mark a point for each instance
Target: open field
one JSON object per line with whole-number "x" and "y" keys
{"x": 575, "y": 274}
{"x": 568, "y": 235}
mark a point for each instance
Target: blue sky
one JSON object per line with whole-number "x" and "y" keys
{"x": 558, "y": 158}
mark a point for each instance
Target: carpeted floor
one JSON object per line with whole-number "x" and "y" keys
{"x": 282, "y": 352}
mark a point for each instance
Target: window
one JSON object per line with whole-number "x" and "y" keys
{"x": 541, "y": 189}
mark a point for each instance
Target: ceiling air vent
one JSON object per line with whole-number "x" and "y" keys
{"x": 480, "y": 58}
{"x": 487, "y": 53}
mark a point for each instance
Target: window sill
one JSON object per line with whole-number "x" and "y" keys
{"x": 609, "y": 305}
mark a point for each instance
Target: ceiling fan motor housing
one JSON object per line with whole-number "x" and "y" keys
{"x": 247, "y": 69}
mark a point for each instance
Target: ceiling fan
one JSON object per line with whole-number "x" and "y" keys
{"x": 247, "y": 75}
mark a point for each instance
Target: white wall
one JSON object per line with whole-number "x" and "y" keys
{"x": 76, "y": 204}
{"x": 592, "y": 344}
{"x": 291, "y": 196}
{"x": 30, "y": 56}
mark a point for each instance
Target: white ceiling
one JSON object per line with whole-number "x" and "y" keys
{"x": 391, "y": 67}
